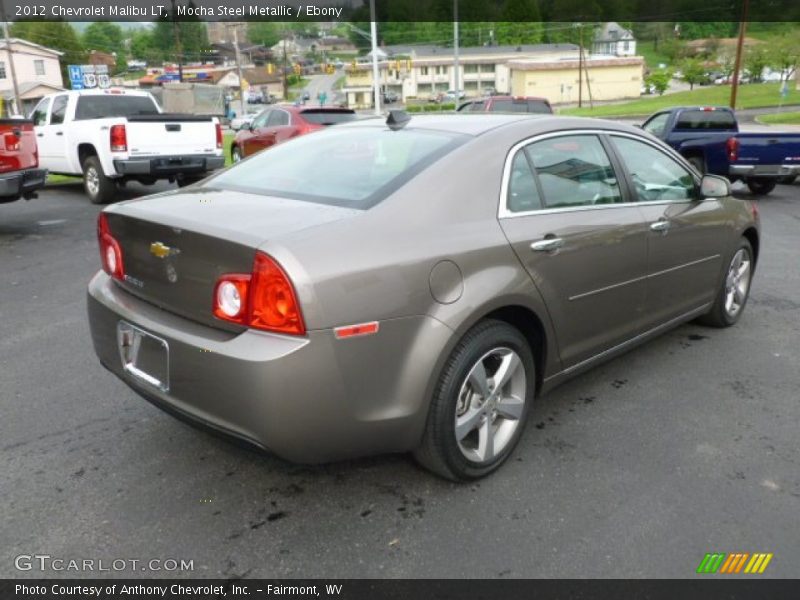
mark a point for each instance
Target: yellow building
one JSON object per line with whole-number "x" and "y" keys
{"x": 608, "y": 79}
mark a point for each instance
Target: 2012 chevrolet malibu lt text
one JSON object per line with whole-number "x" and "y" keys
{"x": 414, "y": 284}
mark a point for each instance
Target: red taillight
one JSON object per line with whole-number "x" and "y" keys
{"x": 119, "y": 138}
{"x": 110, "y": 251}
{"x": 11, "y": 141}
{"x": 732, "y": 148}
{"x": 264, "y": 299}
{"x": 219, "y": 135}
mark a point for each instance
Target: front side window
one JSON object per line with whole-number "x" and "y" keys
{"x": 656, "y": 176}
{"x": 59, "y": 110}
{"x": 278, "y": 118}
{"x": 39, "y": 114}
{"x": 574, "y": 170}
{"x": 261, "y": 120}
{"x": 656, "y": 124}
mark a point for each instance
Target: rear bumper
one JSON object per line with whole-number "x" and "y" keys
{"x": 764, "y": 170}
{"x": 166, "y": 166}
{"x": 308, "y": 399}
{"x": 20, "y": 183}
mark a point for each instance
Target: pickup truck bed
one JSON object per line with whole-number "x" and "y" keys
{"x": 710, "y": 139}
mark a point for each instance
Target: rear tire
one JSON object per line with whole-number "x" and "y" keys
{"x": 735, "y": 289}
{"x": 760, "y": 186}
{"x": 99, "y": 188}
{"x": 480, "y": 403}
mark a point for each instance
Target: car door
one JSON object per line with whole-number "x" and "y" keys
{"x": 582, "y": 242}
{"x": 685, "y": 232}
{"x": 258, "y": 130}
{"x": 52, "y": 143}
{"x": 280, "y": 126}
{"x": 39, "y": 116}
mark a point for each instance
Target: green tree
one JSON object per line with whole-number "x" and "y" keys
{"x": 58, "y": 35}
{"x": 693, "y": 71}
{"x": 785, "y": 54}
{"x": 104, "y": 36}
{"x": 191, "y": 34}
{"x": 659, "y": 80}
{"x": 756, "y": 59}
{"x": 265, "y": 33}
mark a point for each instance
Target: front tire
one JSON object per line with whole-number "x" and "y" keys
{"x": 480, "y": 403}
{"x": 236, "y": 154}
{"x": 99, "y": 188}
{"x": 760, "y": 186}
{"x": 735, "y": 289}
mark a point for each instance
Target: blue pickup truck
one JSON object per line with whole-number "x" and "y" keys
{"x": 709, "y": 138}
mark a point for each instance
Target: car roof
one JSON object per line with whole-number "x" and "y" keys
{"x": 475, "y": 124}
{"x": 294, "y": 109}
{"x": 508, "y": 97}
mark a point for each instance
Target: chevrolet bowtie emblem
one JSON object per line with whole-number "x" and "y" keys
{"x": 160, "y": 250}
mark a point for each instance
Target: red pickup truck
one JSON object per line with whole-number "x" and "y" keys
{"x": 20, "y": 176}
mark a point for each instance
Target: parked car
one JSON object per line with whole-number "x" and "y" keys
{"x": 522, "y": 104}
{"x": 412, "y": 286}
{"x": 112, "y": 136}
{"x": 451, "y": 96}
{"x": 280, "y": 123}
{"x": 709, "y": 137}
{"x": 255, "y": 97}
{"x": 243, "y": 122}
{"x": 20, "y": 176}
{"x": 390, "y": 97}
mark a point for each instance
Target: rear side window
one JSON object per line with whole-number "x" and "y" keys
{"x": 352, "y": 167}
{"x": 320, "y": 116}
{"x": 523, "y": 195}
{"x": 101, "y": 107}
{"x": 574, "y": 170}
{"x": 706, "y": 120}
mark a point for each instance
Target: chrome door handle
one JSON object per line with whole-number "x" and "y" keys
{"x": 661, "y": 226}
{"x": 547, "y": 245}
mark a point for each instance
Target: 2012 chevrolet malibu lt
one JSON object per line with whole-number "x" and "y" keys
{"x": 414, "y": 284}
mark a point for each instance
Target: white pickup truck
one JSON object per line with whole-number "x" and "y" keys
{"x": 112, "y": 136}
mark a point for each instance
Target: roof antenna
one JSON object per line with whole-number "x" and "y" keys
{"x": 397, "y": 119}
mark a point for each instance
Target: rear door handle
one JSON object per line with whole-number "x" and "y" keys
{"x": 59, "y": 133}
{"x": 661, "y": 226}
{"x": 39, "y": 135}
{"x": 547, "y": 245}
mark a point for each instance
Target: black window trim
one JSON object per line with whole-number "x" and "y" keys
{"x": 504, "y": 213}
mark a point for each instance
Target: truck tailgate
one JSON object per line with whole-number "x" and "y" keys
{"x": 17, "y": 145}
{"x": 170, "y": 135}
{"x": 768, "y": 149}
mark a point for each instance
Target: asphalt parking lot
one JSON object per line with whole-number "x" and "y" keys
{"x": 684, "y": 446}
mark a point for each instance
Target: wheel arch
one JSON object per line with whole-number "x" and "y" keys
{"x": 85, "y": 150}
{"x": 751, "y": 235}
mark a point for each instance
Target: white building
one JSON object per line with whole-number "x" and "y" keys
{"x": 420, "y": 72}
{"x": 38, "y": 72}
{"x": 614, "y": 40}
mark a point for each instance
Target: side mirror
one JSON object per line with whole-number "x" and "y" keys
{"x": 714, "y": 186}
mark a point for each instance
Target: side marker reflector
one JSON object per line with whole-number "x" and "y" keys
{"x": 356, "y": 330}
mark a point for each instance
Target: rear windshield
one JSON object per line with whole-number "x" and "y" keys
{"x": 522, "y": 105}
{"x": 706, "y": 119}
{"x": 101, "y": 107}
{"x": 351, "y": 167}
{"x": 320, "y": 116}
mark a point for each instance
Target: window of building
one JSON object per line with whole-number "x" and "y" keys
{"x": 423, "y": 70}
{"x": 2, "y": 69}
{"x": 38, "y": 66}
{"x": 487, "y": 68}
{"x": 471, "y": 68}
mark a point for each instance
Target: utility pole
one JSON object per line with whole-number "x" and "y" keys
{"x": 738, "y": 63}
{"x": 238, "y": 56}
{"x": 17, "y": 101}
{"x": 580, "y": 66}
{"x": 455, "y": 49}
{"x": 178, "y": 46}
{"x": 376, "y": 84}
{"x": 285, "y": 79}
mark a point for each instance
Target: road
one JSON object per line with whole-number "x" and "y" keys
{"x": 323, "y": 83}
{"x": 684, "y": 446}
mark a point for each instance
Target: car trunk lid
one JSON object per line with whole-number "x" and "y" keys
{"x": 176, "y": 246}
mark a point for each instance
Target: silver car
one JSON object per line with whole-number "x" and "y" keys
{"x": 412, "y": 285}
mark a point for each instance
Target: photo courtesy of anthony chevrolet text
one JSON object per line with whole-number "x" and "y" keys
{"x": 399, "y": 299}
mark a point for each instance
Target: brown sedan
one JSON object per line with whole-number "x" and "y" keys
{"x": 412, "y": 285}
